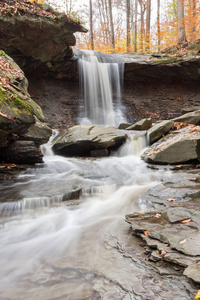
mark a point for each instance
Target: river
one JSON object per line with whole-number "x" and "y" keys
{"x": 63, "y": 233}
{"x": 81, "y": 248}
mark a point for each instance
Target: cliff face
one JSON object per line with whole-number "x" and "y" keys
{"x": 37, "y": 37}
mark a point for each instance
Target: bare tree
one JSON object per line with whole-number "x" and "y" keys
{"x": 142, "y": 11}
{"x": 135, "y": 41}
{"x": 111, "y": 26}
{"x": 158, "y": 23}
{"x": 128, "y": 25}
{"x": 91, "y": 27}
{"x": 181, "y": 23}
{"x": 148, "y": 24}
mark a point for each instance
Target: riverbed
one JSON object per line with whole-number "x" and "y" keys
{"x": 64, "y": 236}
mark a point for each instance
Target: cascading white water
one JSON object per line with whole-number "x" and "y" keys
{"x": 74, "y": 249}
{"x": 68, "y": 252}
{"x": 100, "y": 83}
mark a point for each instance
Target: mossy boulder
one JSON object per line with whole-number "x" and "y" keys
{"x": 18, "y": 112}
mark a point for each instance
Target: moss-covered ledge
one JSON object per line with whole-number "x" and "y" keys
{"x": 18, "y": 112}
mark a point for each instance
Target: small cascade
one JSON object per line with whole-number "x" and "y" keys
{"x": 136, "y": 142}
{"x": 29, "y": 204}
{"x": 101, "y": 86}
{"x": 46, "y": 149}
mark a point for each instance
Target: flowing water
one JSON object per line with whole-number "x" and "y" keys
{"x": 62, "y": 224}
{"x": 100, "y": 79}
{"x": 81, "y": 248}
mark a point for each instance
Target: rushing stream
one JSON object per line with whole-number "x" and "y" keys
{"x": 78, "y": 249}
{"x": 63, "y": 233}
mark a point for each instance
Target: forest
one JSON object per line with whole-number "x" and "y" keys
{"x": 133, "y": 25}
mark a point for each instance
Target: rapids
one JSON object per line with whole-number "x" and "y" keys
{"x": 62, "y": 224}
{"x": 76, "y": 249}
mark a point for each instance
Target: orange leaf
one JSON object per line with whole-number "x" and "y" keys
{"x": 171, "y": 199}
{"x": 146, "y": 232}
{"x": 141, "y": 213}
{"x": 186, "y": 221}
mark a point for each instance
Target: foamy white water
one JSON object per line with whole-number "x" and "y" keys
{"x": 42, "y": 230}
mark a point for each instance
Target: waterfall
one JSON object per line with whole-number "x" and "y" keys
{"x": 135, "y": 144}
{"x": 101, "y": 88}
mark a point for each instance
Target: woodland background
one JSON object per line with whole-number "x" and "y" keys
{"x": 133, "y": 25}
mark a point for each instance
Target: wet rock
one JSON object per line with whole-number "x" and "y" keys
{"x": 99, "y": 153}
{"x": 183, "y": 237}
{"x": 189, "y": 109}
{"x": 124, "y": 125}
{"x": 143, "y": 124}
{"x": 72, "y": 195}
{"x": 158, "y": 130}
{"x": 173, "y": 215}
{"x": 180, "y": 147}
{"x": 193, "y": 272}
{"x": 21, "y": 152}
{"x": 81, "y": 140}
{"x": 20, "y": 117}
{"x": 189, "y": 118}
{"x": 39, "y": 132}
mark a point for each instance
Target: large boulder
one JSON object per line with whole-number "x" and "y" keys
{"x": 189, "y": 118}
{"x": 19, "y": 114}
{"x": 189, "y": 109}
{"x": 21, "y": 152}
{"x": 82, "y": 140}
{"x": 37, "y": 36}
{"x": 143, "y": 124}
{"x": 175, "y": 148}
{"x": 159, "y": 130}
{"x": 39, "y": 132}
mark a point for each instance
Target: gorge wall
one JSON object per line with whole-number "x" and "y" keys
{"x": 39, "y": 40}
{"x": 60, "y": 99}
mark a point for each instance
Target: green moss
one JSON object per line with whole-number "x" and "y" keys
{"x": 166, "y": 61}
{"x": 17, "y": 102}
{"x": 2, "y": 53}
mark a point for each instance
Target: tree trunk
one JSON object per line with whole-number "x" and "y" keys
{"x": 111, "y": 26}
{"x": 91, "y": 27}
{"x": 148, "y": 24}
{"x": 181, "y": 23}
{"x": 135, "y": 42}
{"x": 194, "y": 3}
{"x": 158, "y": 23}
{"x": 128, "y": 25}
{"x": 141, "y": 26}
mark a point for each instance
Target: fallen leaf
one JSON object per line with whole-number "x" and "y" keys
{"x": 163, "y": 252}
{"x": 186, "y": 221}
{"x": 182, "y": 242}
{"x": 197, "y": 295}
{"x": 146, "y": 232}
{"x": 141, "y": 213}
{"x": 156, "y": 216}
{"x": 171, "y": 199}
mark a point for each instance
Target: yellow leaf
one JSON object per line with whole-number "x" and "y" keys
{"x": 156, "y": 216}
{"x": 197, "y": 295}
{"x": 186, "y": 221}
{"x": 182, "y": 242}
